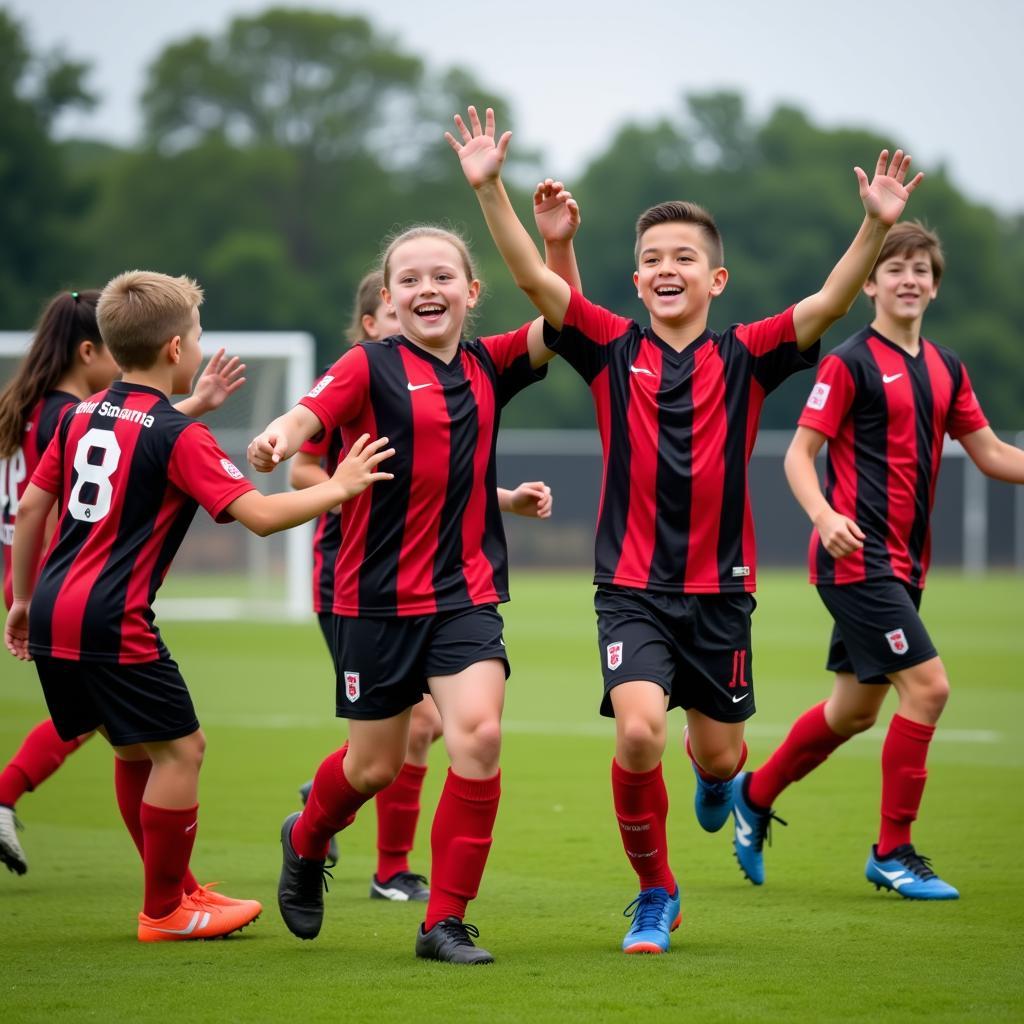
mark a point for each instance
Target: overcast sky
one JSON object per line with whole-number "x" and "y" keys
{"x": 944, "y": 79}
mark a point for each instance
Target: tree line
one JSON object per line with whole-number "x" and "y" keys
{"x": 277, "y": 155}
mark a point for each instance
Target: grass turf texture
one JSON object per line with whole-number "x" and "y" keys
{"x": 816, "y": 942}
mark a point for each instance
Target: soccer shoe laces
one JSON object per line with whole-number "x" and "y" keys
{"x": 915, "y": 863}
{"x": 647, "y": 909}
{"x": 763, "y": 829}
{"x": 457, "y": 931}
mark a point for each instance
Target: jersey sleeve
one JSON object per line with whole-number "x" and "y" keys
{"x": 511, "y": 359}
{"x": 49, "y": 473}
{"x": 965, "y": 414}
{"x": 830, "y": 398}
{"x": 317, "y": 445}
{"x": 200, "y": 468}
{"x": 339, "y": 394}
{"x": 587, "y": 332}
{"x": 772, "y": 343}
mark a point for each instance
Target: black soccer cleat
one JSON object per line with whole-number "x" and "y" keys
{"x": 300, "y": 891}
{"x": 332, "y": 846}
{"x": 11, "y": 852}
{"x": 400, "y": 888}
{"x": 451, "y": 942}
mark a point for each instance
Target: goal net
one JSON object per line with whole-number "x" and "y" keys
{"x": 225, "y": 572}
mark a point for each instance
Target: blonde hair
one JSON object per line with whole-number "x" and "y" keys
{"x": 428, "y": 231}
{"x": 367, "y": 300}
{"x": 139, "y": 311}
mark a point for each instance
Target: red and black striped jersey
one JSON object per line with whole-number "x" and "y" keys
{"x": 129, "y": 471}
{"x": 327, "y": 535}
{"x": 884, "y": 413}
{"x": 677, "y": 431}
{"x": 16, "y": 471}
{"x": 431, "y": 539}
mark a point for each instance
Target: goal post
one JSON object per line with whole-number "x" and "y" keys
{"x": 226, "y": 572}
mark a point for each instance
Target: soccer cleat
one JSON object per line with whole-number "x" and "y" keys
{"x": 752, "y": 827}
{"x": 11, "y": 852}
{"x": 712, "y": 801}
{"x": 300, "y": 891}
{"x": 401, "y": 887}
{"x": 451, "y": 941}
{"x": 207, "y": 894}
{"x": 332, "y": 846}
{"x": 198, "y": 918}
{"x": 907, "y": 872}
{"x": 655, "y": 913}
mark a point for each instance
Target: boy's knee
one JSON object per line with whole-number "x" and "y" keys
{"x": 483, "y": 742}
{"x": 641, "y": 739}
{"x": 927, "y": 689}
{"x": 721, "y": 763}
{"x": 372, "y": 776}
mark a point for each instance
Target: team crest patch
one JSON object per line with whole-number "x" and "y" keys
{"x": 231, "y": 469}
{"x": 320, "y": 385}
{"x": 614, "y": 652}
{"x": 897, "y": 641}
{"x": 818, "y": 396}
{"x": 352, "y": 686}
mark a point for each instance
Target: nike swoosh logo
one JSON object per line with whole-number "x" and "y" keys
{"x": 641, "y": 369}
{"x": 736, "y": 700}
{"x": 199, "y": 920}
{"x": 743, "y": 830}
{"x": 417, "y": 387}
{"x": 192, "y": 826}
{"x": 886, "y": 379}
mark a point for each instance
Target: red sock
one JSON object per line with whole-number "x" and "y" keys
{"x": 330, "y": 807}
{"x": 42, "y": 752}
{"x": 398, "y": 810}
{"x": 460, "y": 840}
{"x": 168, "y": 837}
{"x": 904, "y": 754}
{"x": 707, "y": 776}
{"x": 130, "y": 778}
{"x": 641, "y": 806}
{"x": 809, "y": 743}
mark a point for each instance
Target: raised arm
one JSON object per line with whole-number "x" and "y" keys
{"x": 841, "y": 536}
{"x": 995, "y": 458}
{"x": 220, "y": 379}
{"x": 29, "y": 534}
{"x": 884, "y": 199}
{"x": 282, "y": 438}
{"x": 481, "y": 159}
{"x": 557, "y": 216}
{"x": 268, "y": 513}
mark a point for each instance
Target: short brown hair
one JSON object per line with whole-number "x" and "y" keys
{"x": 139, "y": 311}
{"x": 428, "y": 231}
{"x": 367, "y": 300}
{"x": 679, "y": 211}
{"x": 908, "y": 237}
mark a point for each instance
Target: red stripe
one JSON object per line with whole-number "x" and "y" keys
{"x": 477, "y": 569}
{"x": 357, "y": 516}
{"x": 707, "y": 473}
{"x": 428, "y": 474}
{"x": 942, "y": 398}
{"x": 755, "y": 402}
{"x": 634, "y": 565}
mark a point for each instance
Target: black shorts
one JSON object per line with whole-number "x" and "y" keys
{"x": 383, "y": 665}
{"x": 326, "y": 620}
{"x": 877, "y": 628}
{"x": 143, "y": 703}
{"x": 696, "y": 647}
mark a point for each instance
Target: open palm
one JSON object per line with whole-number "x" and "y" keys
{"x": 481, "y": 157}
{"x": 885, "y": 196}
{"x": 555, "y": 211}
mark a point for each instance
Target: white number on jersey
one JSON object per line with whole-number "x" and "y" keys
{"x": 90, "y": 473}
{"x": 12, "y": 475}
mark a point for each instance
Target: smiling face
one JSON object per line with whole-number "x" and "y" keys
{"x": 901, "y": 288}
{"x": 675, "y": 279}
{"x": 430, "y": 292}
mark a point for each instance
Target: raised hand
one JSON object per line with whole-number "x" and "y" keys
{"x": 359, "y": 467}
{"x": 481, "y": 157}
{"x": 886, "y": 195}
{"x": 532, "y": 499}
{"x": 556, "y": 212}
{"x": 219, "y": 381}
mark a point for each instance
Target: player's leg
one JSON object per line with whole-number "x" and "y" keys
{"x": 41, "y": 753}
{"x": 894, "y": 863}
{"x": 398, "y": 811}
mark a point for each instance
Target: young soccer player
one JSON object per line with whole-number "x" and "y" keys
{"x": 421, "y": 570}
{"x": 66, "y": 362}
{"x": 129, "y": 471}
{"x": 397, "y": 805}
{"x": 677, "y": 408}
{"x": 883, "y": 400}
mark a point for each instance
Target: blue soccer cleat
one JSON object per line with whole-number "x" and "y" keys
{"x": 655, "y": 913}
{"x": 905, "y": 871}
{"x": 712, "y": 801}
{"x": 752, "y": 828}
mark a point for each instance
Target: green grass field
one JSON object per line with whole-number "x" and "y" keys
{"x": 815, "y": 943}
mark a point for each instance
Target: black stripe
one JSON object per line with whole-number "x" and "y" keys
{"x": 738, "y": 369}
{"x": 924, "y": 412}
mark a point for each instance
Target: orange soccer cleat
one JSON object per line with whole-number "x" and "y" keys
{"x": 218, "y": 899}
{"x": 199, "y": 917}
